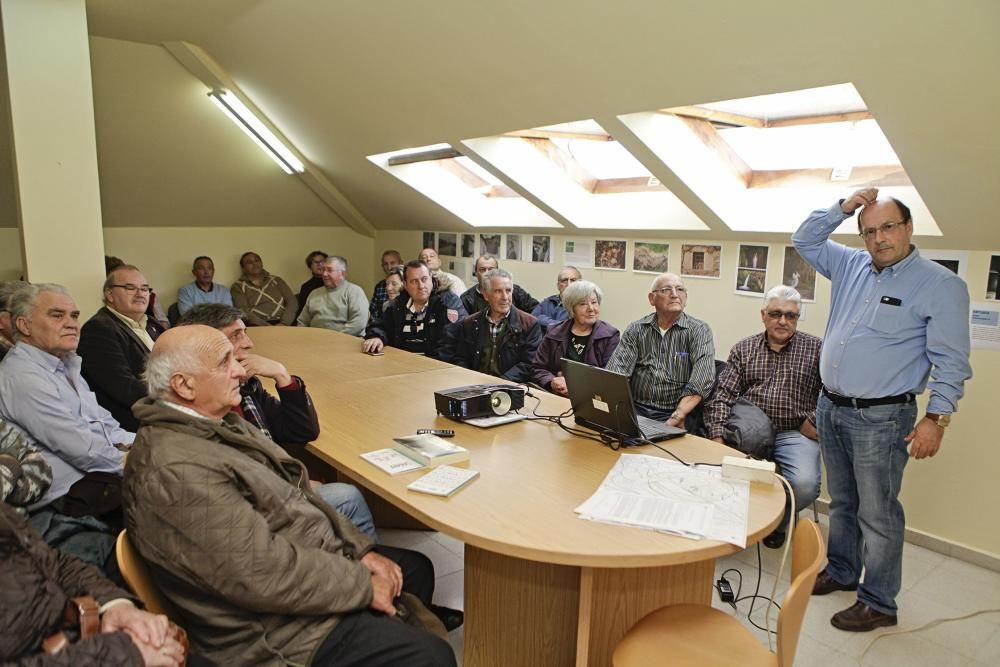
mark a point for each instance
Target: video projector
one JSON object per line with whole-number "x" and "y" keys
{"x": 478, "y": 400}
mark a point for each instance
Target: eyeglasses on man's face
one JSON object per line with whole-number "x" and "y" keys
{"x": 885, "y": 228}
{"x": 789, "y": 315}
{"x": 132, "y": 289}
{"x": 667, "y": 290}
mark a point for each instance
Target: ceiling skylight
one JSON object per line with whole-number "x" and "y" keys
{"x": 762, "y": 163}
{"x": 457, "y": 183}
{"x": 590, "y": 179}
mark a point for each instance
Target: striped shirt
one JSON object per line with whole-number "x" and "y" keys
{"x": 666, "y": 367}
{"x": 785, "y": 384}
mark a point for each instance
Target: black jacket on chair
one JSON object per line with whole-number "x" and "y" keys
{"x": 114, "y": 359}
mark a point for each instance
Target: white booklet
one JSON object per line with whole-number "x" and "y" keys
{"x": 443, "y": 480}
{"x": 391, "y": 461}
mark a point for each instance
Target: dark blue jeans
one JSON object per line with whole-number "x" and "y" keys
{"x": 865, "y": 455}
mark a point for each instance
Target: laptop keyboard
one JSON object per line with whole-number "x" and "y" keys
{"x": 651, "y": 428}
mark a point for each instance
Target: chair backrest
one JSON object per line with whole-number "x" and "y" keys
{"x": 808, "y": 552}
{"x": 136, "y": 575}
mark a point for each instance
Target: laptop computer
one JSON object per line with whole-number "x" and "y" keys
{"x": 602, "y": 401}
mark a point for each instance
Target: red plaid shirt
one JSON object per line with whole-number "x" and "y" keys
{"x": 785, "y": 384}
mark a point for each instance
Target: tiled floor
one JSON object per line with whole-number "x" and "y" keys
{"x": 934, "y": 586}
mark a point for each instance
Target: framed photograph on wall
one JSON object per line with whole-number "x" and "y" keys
{"x": 751, "y": 270}
{"x": 448, "y": 244}
{"x": 428, "y": 241}
{"x": 468, "y": 245}
{"x": 541, "y": 249}
{"x": 992, "y": 288}
{"x": 513, "y": 247}
{"x": 798, "y": 273}
{"x": 701, "y": 261}
{"x": 955, "y": 261}
{"x": 650, "y": 257}
{"x": 489, "y": 244}
{"x": 609, "y": 254}
{"x": 577, "y": 252}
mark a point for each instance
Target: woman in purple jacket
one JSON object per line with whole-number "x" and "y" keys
{"x": 583, "y": 337}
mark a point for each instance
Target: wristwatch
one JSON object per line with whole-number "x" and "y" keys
{"x": 940, "y": 420}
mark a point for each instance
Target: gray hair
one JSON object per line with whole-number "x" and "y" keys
{"x": 215, "y": 315}
{"x": 110, "y": 280}
{"x": 484, "y": 282}
{"x": 161, "y": 366}
{"x": 580, "y": 292}
{"x": 338, "y": 261}
{"x": 22, "y": 301}
{"x": 784, "y": 293}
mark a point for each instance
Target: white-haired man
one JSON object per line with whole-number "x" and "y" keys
{"x": 669, "y": 355}
{"x": 778, "y": 371}
{"x": 340, "y": 305}
{"x": 260, "y": 569}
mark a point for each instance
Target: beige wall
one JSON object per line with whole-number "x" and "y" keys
{"x": 10, "y": 254}
{"x": 943, "y": 497}
{"x": 165, "y": 254}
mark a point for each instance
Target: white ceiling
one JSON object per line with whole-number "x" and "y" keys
{"x": 344, "y": 80}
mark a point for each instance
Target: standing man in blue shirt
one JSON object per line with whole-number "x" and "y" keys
{"x": 896, "y": 319}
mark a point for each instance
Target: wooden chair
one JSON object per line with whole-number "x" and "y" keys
{"x": 699, "y": 635}
{"x": 136, "y": 575}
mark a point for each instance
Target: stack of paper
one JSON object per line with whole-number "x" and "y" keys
{"x": 659, "y": 494}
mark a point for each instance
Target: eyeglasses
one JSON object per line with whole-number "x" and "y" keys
{"x": 568, "y": 280}
{"x": 789, "y": 315}
{"x": 667, "y": 290}
{"x": 132, "y": 289}
{"x": 885, "y": 228}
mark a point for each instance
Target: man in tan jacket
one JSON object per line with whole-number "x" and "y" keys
{"x": 262, "y": 571}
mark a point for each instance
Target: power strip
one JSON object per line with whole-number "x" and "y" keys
{"x": 751, "y": 470}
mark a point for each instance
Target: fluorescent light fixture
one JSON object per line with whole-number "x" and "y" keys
{"x": 256, "y": 130}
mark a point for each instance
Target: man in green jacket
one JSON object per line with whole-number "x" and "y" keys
{"x": 262, "y": 571}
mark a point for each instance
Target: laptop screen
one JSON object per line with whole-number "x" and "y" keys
{"x": 600, "y": 398}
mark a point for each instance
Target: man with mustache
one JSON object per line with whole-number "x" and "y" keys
{"x": 778, "y": 371}
{"x": 896, "y": 319}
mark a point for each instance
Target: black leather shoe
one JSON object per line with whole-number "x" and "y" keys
{"x": 826, "y": 584}
{"x": 775, "y": 540}
{"x": 452, "y": 618}
{"x": 859, "y": 617}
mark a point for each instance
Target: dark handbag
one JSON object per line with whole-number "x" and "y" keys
{"x": 749, "y": 430}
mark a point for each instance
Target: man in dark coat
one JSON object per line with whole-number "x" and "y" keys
{"x": 418, "y": 320}
{"x": 472, "y": 298}
{"x": 500, "y": 340}
{"x": 36, "y": 582}
{"x": 115, "y": 342}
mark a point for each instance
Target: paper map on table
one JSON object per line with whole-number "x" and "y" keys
{"x": 658, "y": 494}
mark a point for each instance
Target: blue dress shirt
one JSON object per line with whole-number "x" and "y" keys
{"x": 48, "y": 399}
{"x": 191, "y": 295}
{"x": 888, "y": 330}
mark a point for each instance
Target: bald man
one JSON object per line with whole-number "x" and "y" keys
{"x": 256, "y": 563}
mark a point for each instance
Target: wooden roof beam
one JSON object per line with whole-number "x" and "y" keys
{"x": 877, "y": 176}
{"x": 558, "y": 134}
{"x": 424, "y": 156}
{"x": 728, "y": 158}
{"x": 573, "y": 169}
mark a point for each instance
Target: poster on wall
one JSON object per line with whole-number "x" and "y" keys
{"x": 992, "y": 288}
{"x": 578, "y": 253}
{"x": 798, "y": 273}
{"x": 751, "y": 270}
{"x": 649, "y": 257}
{"x": 984, "y": 325}
{"x": 541, "y": 249}
{"x": 447, "y": 244}
{"x": 701, "y": 261}
{"x": 513, "y": 247}
{"x": 609, "y": 254}
{"x": 489, "y": 244}
{"x": 428, "y": 241}
{"x": 468, "y": 245}
{"x": 955, "y": 261}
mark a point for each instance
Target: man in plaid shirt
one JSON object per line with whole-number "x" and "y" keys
{"x": 778, "y": 371}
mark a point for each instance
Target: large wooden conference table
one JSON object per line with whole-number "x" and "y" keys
{"x": 542, "y": 586}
